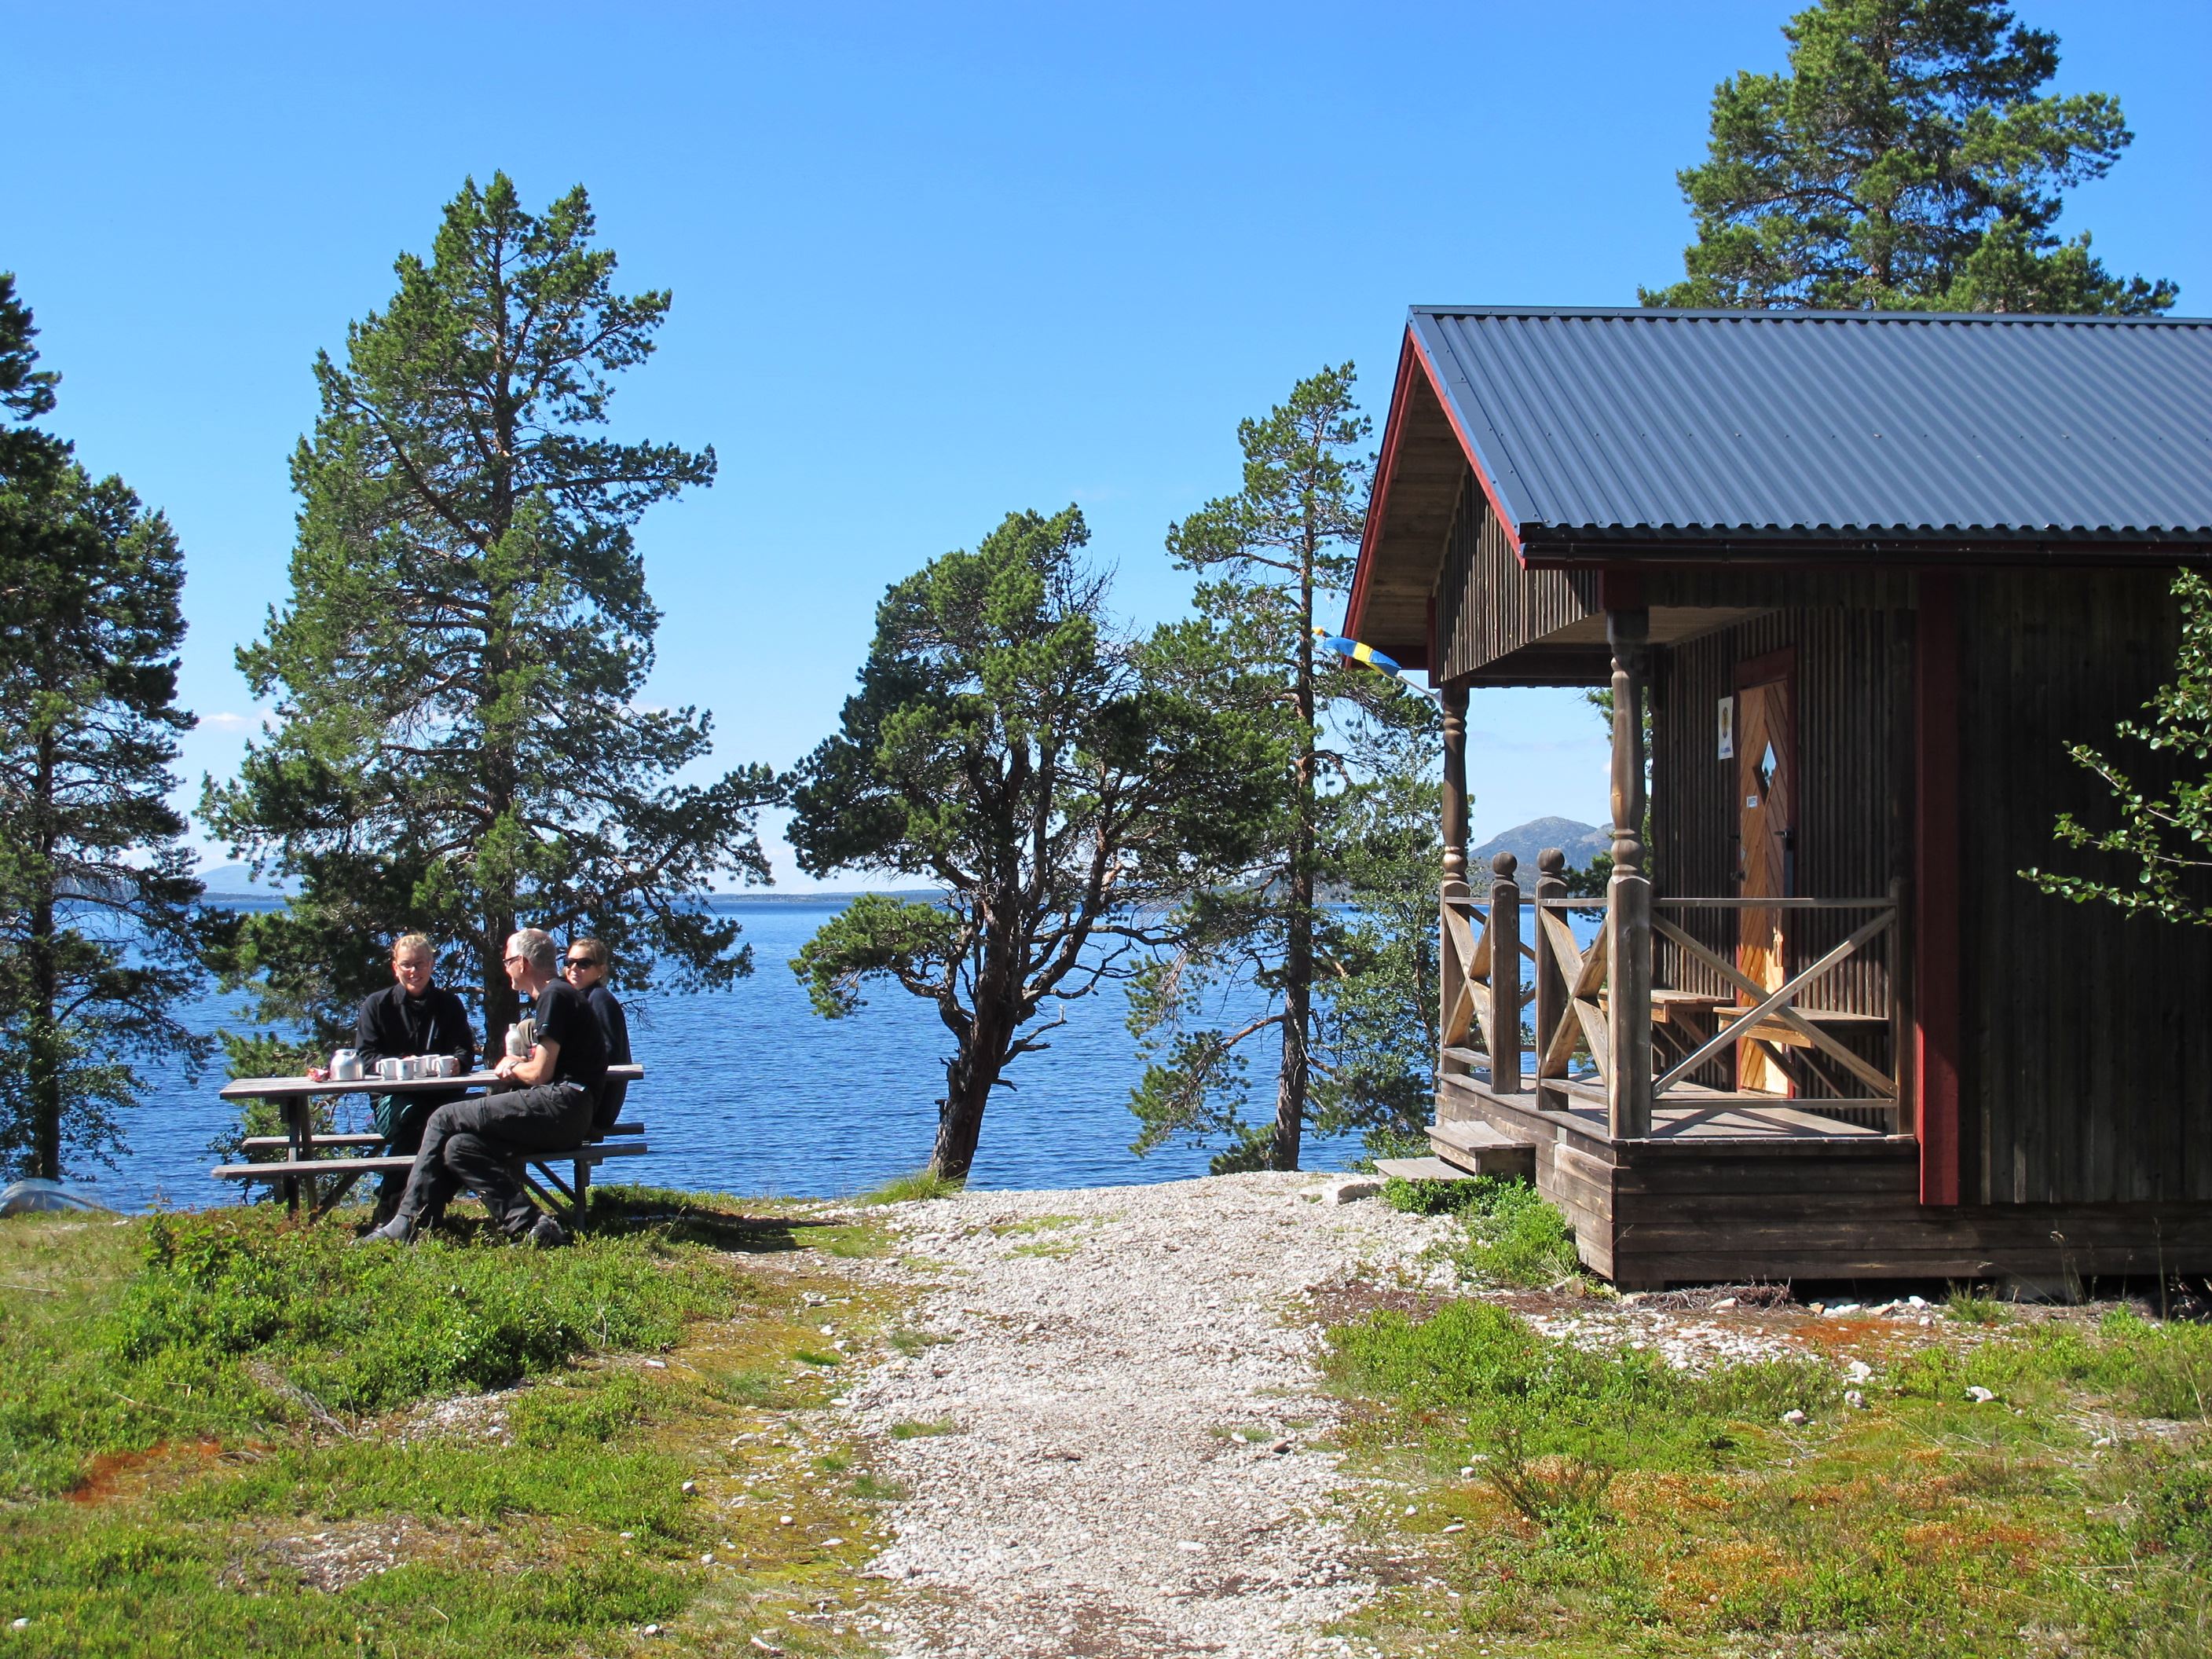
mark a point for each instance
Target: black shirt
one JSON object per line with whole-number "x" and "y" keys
{"x": 614, "y": 1023}
{"x": 393, "y": 1025}
{"x": 565, "y": 1017}
{"x": 614, "y": 1026}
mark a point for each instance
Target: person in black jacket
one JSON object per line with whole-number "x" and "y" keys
{"x": 414, "y": 1016}
{"x": 542, "y": 1103}
{"x": 585, "y": 967}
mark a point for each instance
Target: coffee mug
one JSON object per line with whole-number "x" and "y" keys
{"x": 391, "y": 1070}
{"x": 445, "y": 1064}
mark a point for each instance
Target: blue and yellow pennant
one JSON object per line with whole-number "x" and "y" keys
{"x": 1368, "y": 655}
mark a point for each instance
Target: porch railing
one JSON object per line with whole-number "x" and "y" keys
{"x": 1691, "y": 1032}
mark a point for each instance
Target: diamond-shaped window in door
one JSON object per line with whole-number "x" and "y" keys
{"x": 1769, "y": 763}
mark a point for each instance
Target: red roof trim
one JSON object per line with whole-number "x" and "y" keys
{"x": 1467, "y": 448}
{"x": 1394, "y": 432}
{"x": 1393, "y": 428}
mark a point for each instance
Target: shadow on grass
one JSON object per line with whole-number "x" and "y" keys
{"x": 716, "y": 1221}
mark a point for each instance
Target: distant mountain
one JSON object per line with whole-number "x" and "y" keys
{"x": 1579, "y": 841}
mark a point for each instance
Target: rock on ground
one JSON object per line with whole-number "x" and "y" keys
{"x": 1132, "y": 1414}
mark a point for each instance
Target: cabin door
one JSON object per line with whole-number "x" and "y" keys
{"x": 1766, "y": 778}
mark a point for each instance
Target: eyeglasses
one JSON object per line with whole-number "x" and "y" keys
{"x": 503, "y": 961}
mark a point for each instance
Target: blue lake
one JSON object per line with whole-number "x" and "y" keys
{"x": 749, "y": 1090}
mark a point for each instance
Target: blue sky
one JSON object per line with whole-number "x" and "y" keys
{"x": 930, "y": 264}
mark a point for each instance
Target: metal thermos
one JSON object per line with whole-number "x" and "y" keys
{"x": 345, "y": 1066}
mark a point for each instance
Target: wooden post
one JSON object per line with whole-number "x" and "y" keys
{"x": 1551, "y": 985}
{"x": 1628, "y": 895}
{"x": 1504, "y": 977}
{"x": 1451, "y": 972}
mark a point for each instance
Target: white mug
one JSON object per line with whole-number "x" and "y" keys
{"x": 445, "y": 1064}
{"x": 389, "y": 1070}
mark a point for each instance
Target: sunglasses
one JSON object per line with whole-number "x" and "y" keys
{"x": 580, "y": 961}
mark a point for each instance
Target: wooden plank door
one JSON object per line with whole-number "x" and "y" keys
{"x": 1766, "y": 778}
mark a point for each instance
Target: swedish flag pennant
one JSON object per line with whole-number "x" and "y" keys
{"x": 1368, "y": 655}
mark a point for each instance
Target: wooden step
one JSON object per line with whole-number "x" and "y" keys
{"x": 1473, "y": 1146}
{"x": 1419, "y": 1169}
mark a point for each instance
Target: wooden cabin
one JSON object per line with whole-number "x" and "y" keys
{"x": 1866, "y": 576}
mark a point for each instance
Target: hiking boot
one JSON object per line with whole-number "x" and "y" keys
{"x": 545, "y": 1233}
{"x": 398, "y": 1231}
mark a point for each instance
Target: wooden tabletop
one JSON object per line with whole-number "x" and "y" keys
{"x": 295, "y": 1088}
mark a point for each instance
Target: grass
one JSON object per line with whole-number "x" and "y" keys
{"x": 923, "y": 1430}
{"x": 224, "y": 1433}
{"x": 1035, "y": 1224}
{"x": 1600, "y": 1502}
{"x": 923, "y": 1183}
{"x": 1507, "y": 1236}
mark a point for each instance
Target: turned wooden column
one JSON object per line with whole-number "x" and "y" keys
{"x": 1628, "y": 895}
{"x": 1551, "y": 984}
{"x": 1451, "y": 972}
{"x": 1504, "y": 977}
{"x": 1454, "y": 799}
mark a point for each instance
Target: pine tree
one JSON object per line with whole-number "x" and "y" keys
{"x": 459, "y": 748}
{"x": 1272, "y": 558}
{"x": 99, "y": 932}
{"x": 1008, "y": 746}
{"x": 1909, "y": 159}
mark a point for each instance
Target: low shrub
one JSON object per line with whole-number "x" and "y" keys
{"x": 229, "y": 1321}
{"x": 1509, "y": 1235}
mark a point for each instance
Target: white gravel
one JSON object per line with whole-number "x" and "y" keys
{"x": 1092, "y": 1498}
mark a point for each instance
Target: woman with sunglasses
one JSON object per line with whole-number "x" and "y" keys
{"x": 586, "y": 967}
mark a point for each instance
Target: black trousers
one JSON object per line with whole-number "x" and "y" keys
{"x": 469, "y": 1143}
{"x": 401, "y": 1119}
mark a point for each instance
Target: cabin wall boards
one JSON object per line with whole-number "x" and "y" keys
{"x": 2085, "y": 1037}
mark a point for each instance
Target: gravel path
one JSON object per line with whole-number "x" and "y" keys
{"x": 1120, "y": 1417}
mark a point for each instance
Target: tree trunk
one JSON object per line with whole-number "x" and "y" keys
{"x": 1297, "y": 947}
{"x": 44, "y": 1040}
{"x": 502, "y": 1007}
{"x": 974, "y": 1070}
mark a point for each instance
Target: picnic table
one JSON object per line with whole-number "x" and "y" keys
{"x": 302, "y": 1149}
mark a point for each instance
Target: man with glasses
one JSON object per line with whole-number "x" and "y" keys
{"x": 585, "y": 965}
{"x": 545, "y": 1106}
{"x": 410, "y": 1017}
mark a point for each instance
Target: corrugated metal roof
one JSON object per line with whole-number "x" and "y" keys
{"x": 1632, "y": 423}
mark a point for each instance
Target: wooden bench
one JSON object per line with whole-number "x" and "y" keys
{"x": 298, "y": 1161}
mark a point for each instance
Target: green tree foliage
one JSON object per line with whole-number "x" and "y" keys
{"x": 2163, "y": 838}
{"x": 1908, "y": 159}
{"x": 99, "y": 937}
{"x": 1347, "y": 989}
{"x": 459, "y": 747}
{"x": 1006, "y": 745}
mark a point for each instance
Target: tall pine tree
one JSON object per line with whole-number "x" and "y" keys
{"x": 1272, "y": 558}
{"x": 99, "y": 932}
{"x": 1909, "y": 159}
{"x": 459, "y": 747}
